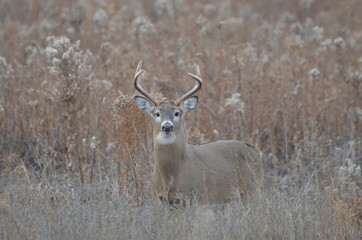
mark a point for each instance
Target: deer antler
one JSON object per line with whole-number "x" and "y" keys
{"x": 139, "y": 70}
{"x": 196, "y": 88}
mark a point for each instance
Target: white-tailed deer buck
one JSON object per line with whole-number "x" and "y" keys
{"x": 212, "y": 173}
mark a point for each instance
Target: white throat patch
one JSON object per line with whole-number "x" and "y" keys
{"x": 165, "y": 139}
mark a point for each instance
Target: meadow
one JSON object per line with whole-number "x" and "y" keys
{"x": 76, "y": 154}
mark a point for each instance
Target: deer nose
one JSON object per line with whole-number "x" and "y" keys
{"x": 167, "y": 127}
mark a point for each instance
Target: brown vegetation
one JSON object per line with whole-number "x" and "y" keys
{"x": 76, "y": 155}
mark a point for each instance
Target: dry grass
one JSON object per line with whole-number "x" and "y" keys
{"x": 76, "y": 154}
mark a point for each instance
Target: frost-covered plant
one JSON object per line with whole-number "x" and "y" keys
{"x": 71, "y": 67}
{"x": 297, "y": 28}
{"x": 100, "y": 19}
{"x": 251, "y": 52}
{"x": 6, "y": 73}
{"x": 165, "y": 6}
{"x": 349, "y": 169}
{"x": 287, "y": 17}
{"x": 339, "y": 42}
{"x": 314, "y": 73}
{"x": 318, "y": 33}
{"x": 235, "y": 102}
{"x": 70, "y": 64}
{"x": 2, "y": 113}
{"x": 68, "y": 60}
{"x": 201, "y": 23}
{"x": 93, "y": 143}
{"x": 324, "y": 45}
{"x": 6, "y": 69}
{"x": 141, "y": 27}
{"x": 306, "y": 3}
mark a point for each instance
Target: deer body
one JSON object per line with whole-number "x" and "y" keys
{"x": 212, "y": 173}
{"x": 216, "y": 172}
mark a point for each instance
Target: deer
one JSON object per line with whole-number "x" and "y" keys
{"x": 212, "y": 173}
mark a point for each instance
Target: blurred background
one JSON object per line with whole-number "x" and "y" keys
{"x": 283, "y": 75}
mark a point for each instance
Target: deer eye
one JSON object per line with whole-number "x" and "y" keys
{"x": 177, "y": 114}
{"x": 157, "y": 114}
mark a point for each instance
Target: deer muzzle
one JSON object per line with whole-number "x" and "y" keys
{"x": 167, "y": 127}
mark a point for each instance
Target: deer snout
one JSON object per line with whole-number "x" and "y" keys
{"x": 167, "y": 127}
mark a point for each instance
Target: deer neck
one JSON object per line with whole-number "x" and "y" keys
{"x": 169, "y": 156}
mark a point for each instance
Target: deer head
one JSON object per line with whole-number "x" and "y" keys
{"x": 168, "y": 115}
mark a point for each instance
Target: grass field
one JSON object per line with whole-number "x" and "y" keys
{"x": 76, "y": 154}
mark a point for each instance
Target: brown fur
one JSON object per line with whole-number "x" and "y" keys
{"x": 212, "y": 173}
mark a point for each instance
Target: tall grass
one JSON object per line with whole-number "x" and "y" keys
{"x": 76, "y": 154}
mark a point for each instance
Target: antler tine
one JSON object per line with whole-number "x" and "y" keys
{"x": 139, "y": 88}
{"x": 139, "y": 66}
{"x": 196, "y": 88}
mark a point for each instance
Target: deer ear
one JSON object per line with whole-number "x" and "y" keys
{"x": 189, "y": 104}
{"x": 144, "y": 105}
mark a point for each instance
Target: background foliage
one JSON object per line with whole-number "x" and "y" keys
{"x": 76, "y": 154}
